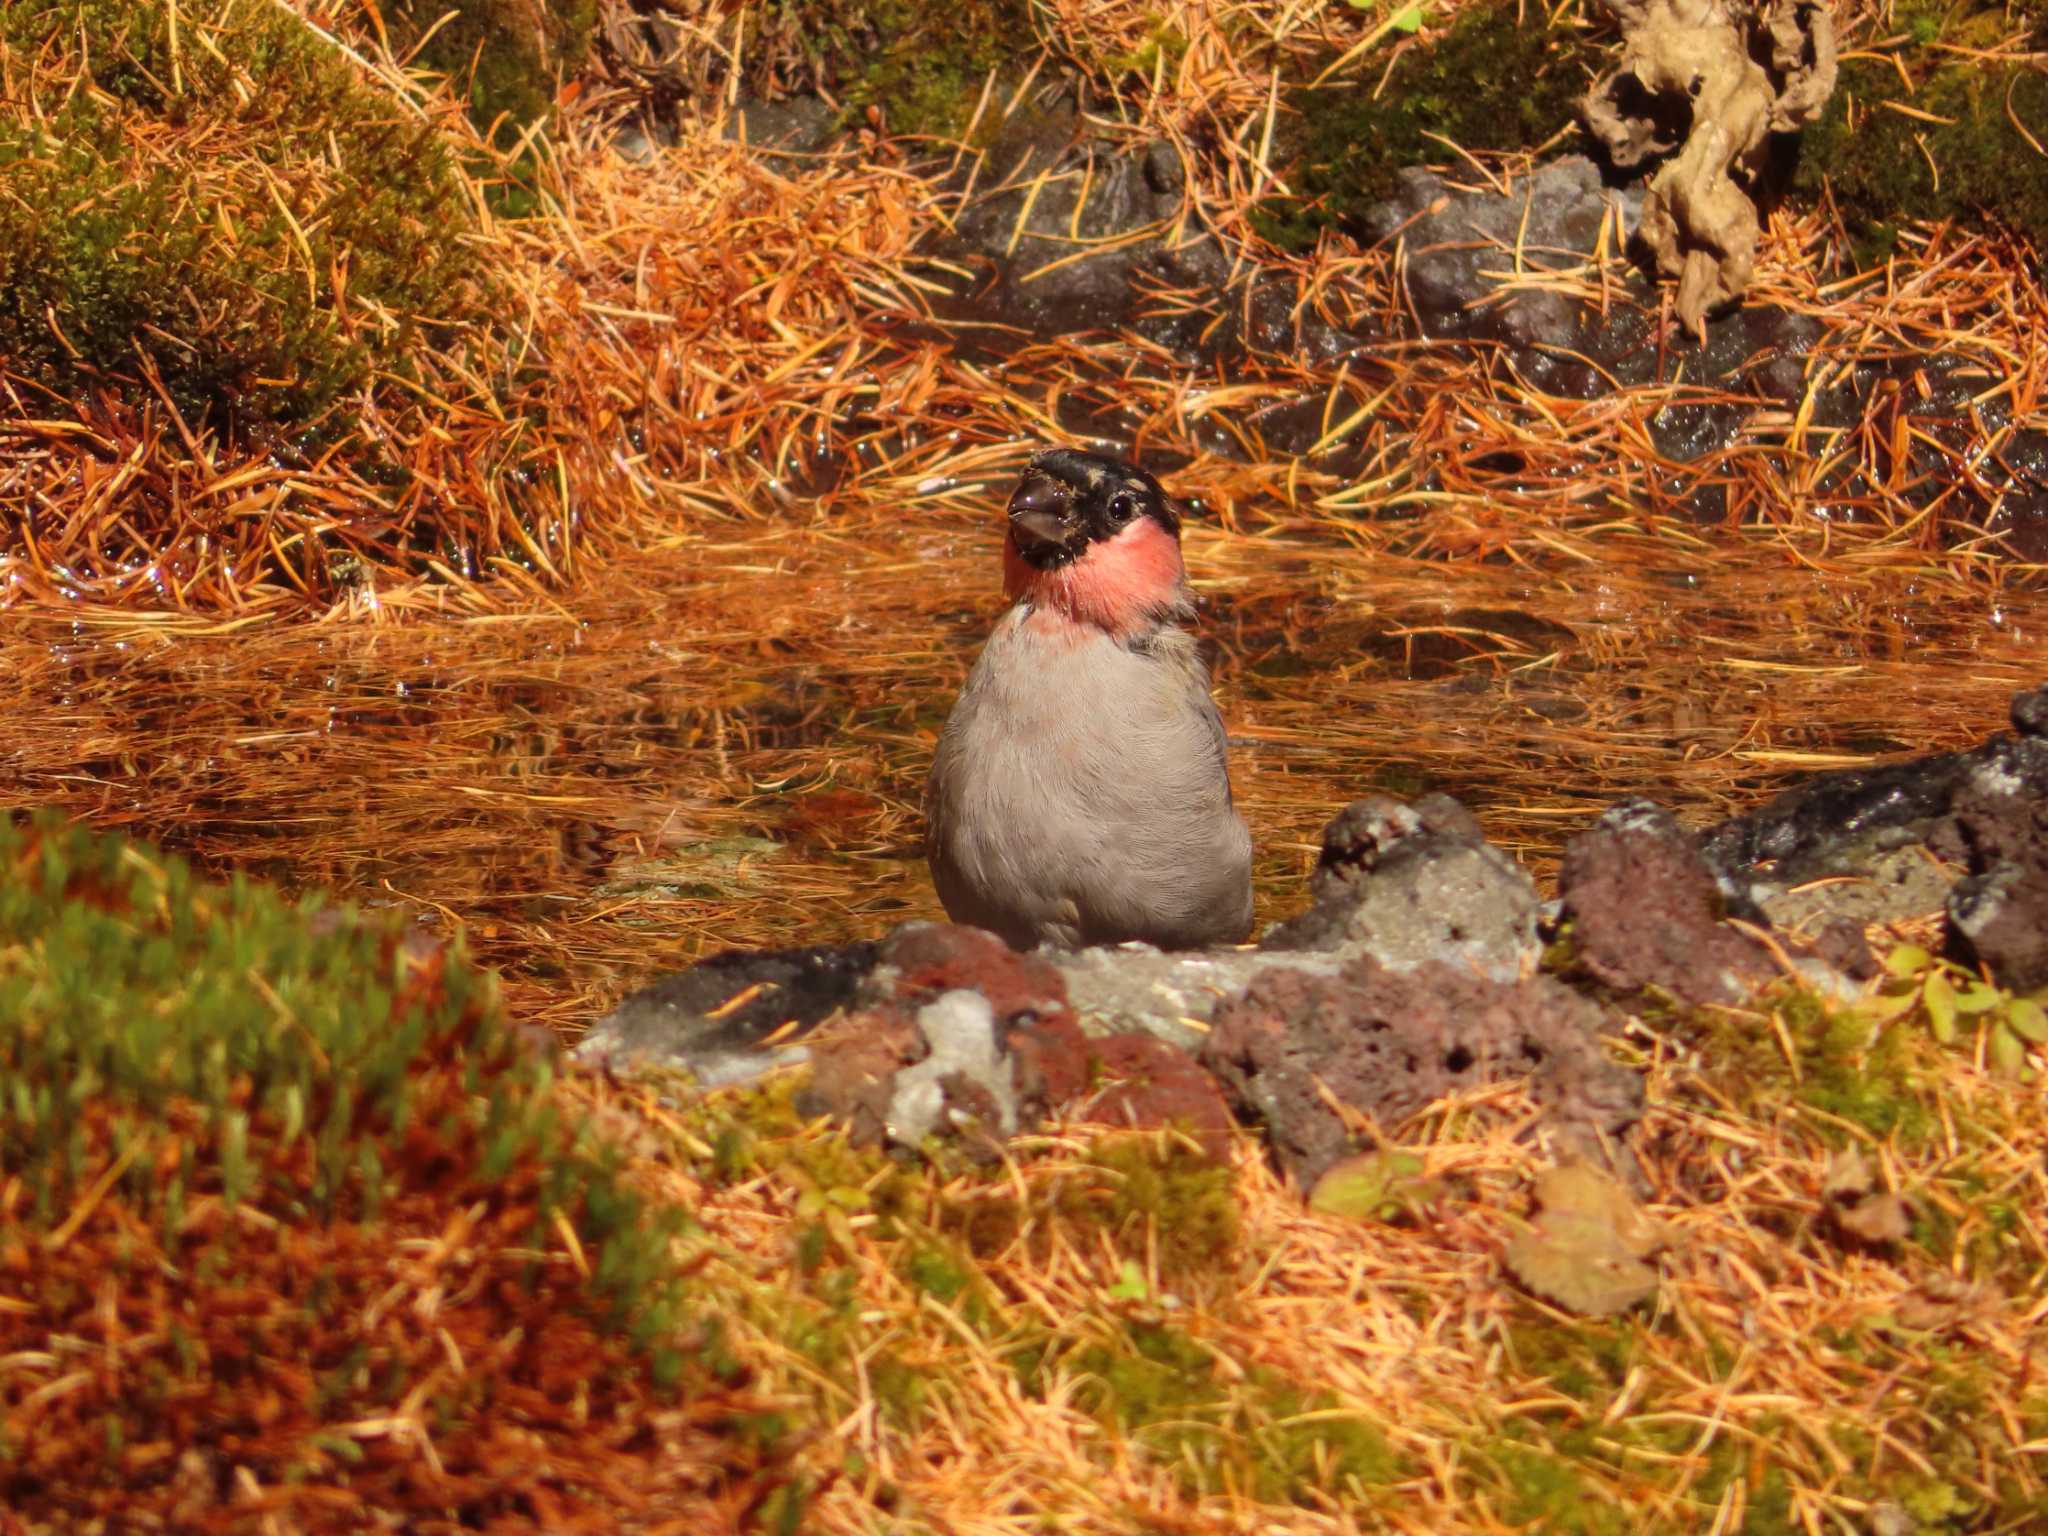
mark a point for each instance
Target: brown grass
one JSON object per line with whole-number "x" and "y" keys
{"x": 1785, "y": 1372}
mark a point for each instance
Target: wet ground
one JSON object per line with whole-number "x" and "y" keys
{"x": 720, "y": 739}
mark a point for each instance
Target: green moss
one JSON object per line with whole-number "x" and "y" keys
{"x": 1499, "y": 79}
{"x": 1877, "y": 1078}
{"x": 1253, "y": 1433}
{"x": 1164, "y": 1196}
{"x": 930, "y": 64}
{"x": 216, "y": 1040}
{"x": 1548, "y": 1492}
{"x": 249, "y": 222}
{"x": 509, "y": 56}
{"x": 1587, "y": 1362}
{"x": 507, "y": 59}
{"x": 1884, "y": 167}
{"x": 1164, "y": 44}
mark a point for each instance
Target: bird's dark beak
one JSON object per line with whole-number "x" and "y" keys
{"x": 1042, "y": 517}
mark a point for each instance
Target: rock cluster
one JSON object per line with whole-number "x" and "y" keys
{"x": 1415, "y": 972}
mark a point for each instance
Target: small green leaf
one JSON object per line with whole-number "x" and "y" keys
{"x": 1371, "y": 1186}
{"x": 2008, "y": 1053}
{"x": 2029, "y": 1020}
{"x": 1940, "y": 998}
{"x": 1907, "y": 960}
{"x": 1130, "y": 1284}
{"x": 1409, "y": 20}
{"x": 1978, "y": 998}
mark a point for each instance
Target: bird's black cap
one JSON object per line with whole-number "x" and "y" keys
{"x": 1068, "y": 499}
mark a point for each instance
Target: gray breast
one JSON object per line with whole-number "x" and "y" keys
{"x": 1080, "y": 796}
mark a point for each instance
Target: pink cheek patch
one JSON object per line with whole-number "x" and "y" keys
{"x": 1116, "y": 586}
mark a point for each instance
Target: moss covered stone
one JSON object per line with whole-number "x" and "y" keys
{"x": 1967, "y": 159}
{"x": 1501, "y": 78}
{"x": 220, "y": 211}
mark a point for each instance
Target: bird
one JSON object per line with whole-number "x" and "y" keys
{"x": 1080, "y": 792}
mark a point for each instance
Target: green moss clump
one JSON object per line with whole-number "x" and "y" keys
{"x": 1260, "y": 1435}
{"x": 1847, "y": 1066}
{"x": 1494, "y": 81}
{"x": 284, "y": 1170}
{"x": 931, "y": 61}
{"x": 509, "y": 56}
{"x": 1163, "y": 1194}
{"x": 1587, "y": 1362}
{"x": 224, "y": 207}
{"x": 507, "y": 59}
{"x": 1884, "y": 167}
{"x": 278, "y": 1055}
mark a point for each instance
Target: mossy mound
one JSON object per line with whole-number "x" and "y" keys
{"x": 1498, "y": 79}
{"x": 930, "y": 65}
{"x": 919, "y": 67}
{"x": 1971, "y": 161}
{"x": 290, "y": 1217}
{"x": 207, "y": 203}
{"x": 509, "y": 57}
{"x": 1247, "y": 1431}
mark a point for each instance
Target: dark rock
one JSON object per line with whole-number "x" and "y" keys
{"x": 1462, "y": 246}
{"x": 1998, "y": 914}
{"x": 1389, "y": 1043}
{"x": 1834, "y": 823}
{"x": 800, "y": 125}
{"x": 1842, "y": 945}
{"x": 1999, "y": 920}
{"x": 1046, "y": 170}
{"x": 1409, "y": 884}
{"x": 1645, "y": 910}
{"x": 713, "y": 1017}
{"x": 1454, "y": 239}
{"x": 2030, "y": 711}
{"x": 1048, "y": 180}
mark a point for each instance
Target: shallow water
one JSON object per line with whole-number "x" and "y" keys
{"x": 720, "y": 739}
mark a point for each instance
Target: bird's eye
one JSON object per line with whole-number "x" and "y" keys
{"x": 1122, "y": 507}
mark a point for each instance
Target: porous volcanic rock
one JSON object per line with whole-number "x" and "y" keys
{"x": 1645, "y": 910}
{"x": 1391, "y": 1042}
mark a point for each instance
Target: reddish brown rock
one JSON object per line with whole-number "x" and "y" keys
{"x": 854, "y": 1063}
{"x": 933, "y": 958}
{"x": 1130, "y": 1081}
{"x": 1645, "y": 911}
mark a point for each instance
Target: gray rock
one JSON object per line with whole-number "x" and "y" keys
{"x": 959, "y": 1030}
{"x": 1459, "y": 244}
{"x": 1409, "y": 885}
